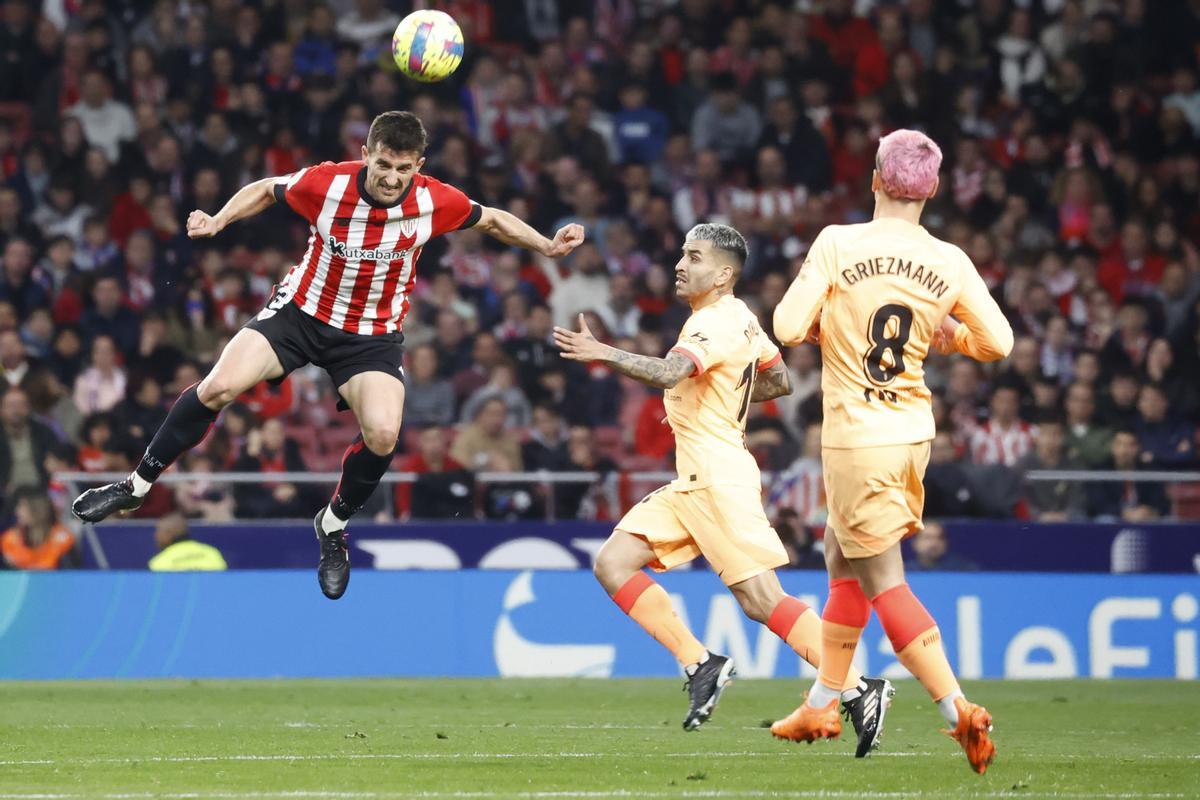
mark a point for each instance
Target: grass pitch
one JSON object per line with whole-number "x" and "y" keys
{"x": 587, "y": 738}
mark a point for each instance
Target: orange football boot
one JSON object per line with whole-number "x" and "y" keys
{"x": 974, "y": 724}
{"x": 807, "y": 724}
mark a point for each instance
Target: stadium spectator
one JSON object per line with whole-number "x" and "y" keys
{"x": 1003, "y": 438}
{"x": 546, "y": 447}
{"x": 501, "y": 385}
{"x": 24, "y": 445}
{"x": 269, "y": 449}
{"x": 931, "y": 552}
{"x": 485, "y": 438}
{"x": 798, "y": 541}
{"x": 101, "y": 385}
{"x": 443, "y": 489}
{"x": 38, "y": 541}
{"x": 109, "y": 317}
{"x": 178, "y": 552}
{"x": 106, "y": 122}
{"x": 1087, "y": 441}
{"x": 581, "y": 500}
{"x": 1051, "y": 501}
{"x": 428, "y": 399}
{"x": 1167, "y": 443}
{"x": 1128, "y": 500}
{"x": 949, "y": 491}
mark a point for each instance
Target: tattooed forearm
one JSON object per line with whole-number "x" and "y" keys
{"x": 662, "y": 373}
{"x": 771, "y": 383}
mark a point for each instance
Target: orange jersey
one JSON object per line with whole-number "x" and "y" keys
{"x": 708, "y": 410}
{"x": 882, "y": 288}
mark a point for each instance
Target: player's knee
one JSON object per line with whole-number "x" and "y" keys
{"x": 216, "y": 392}
{"x": 610, "y": 569}
{"x": 754, "y": 608}
{"x": 381, "y": 439}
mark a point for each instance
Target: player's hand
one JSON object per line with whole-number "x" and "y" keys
{"x": 579, "y": 345}
{"x": 200, "y": 225}
{"x": 814, "y": 331}
{"x": 567, "y": 239}
{"x": 943, "y": 337}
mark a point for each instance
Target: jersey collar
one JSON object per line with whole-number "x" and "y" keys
{"x": 371, "y": 201}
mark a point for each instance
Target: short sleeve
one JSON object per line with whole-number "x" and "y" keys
{"x": 304, "y": 190}
{"x": 703, "y": 340}
{"x": 768, "y": 354}
{"x": 452, "y": 210}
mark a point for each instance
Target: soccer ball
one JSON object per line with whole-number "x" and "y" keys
{"x": 427, "y": 46}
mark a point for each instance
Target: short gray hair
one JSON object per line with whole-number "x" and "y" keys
{"x": 723, "y": 237}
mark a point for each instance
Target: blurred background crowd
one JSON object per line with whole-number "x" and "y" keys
{"x": 1071, "y": 177}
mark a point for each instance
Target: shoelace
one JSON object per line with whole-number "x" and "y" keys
{"x": 334, "y": 543}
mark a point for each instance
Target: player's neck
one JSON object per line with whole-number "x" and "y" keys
{"x": 706, "y": 299}
{"x": 908, "y": 211}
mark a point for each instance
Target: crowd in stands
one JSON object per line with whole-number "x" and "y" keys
{"x": 1071, "y": 133}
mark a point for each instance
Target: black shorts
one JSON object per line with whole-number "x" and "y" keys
{"x": 300, "y": 339}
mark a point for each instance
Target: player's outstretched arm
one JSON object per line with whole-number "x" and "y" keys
{"x": 771, "y": 383}
{"x": 662, "y": 373}
{"x": 251, "y": 199}
{"x": 512, "y": 230}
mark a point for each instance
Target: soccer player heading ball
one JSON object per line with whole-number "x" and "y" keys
{"x": 722, "y": 363}
{"x": 881, "y": 293}
{"x": 340, "y": 307}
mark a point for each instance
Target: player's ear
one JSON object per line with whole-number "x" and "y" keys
{"x": 937, "y": 182}
{"x": 364, "y": 153}
{"x": 420, "y": 163}
{"x": 875, "y": 183}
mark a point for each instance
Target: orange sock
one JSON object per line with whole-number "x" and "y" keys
{"x": 801, "y": 628}
{"x": 916, "y": 640}
{"x": 650, "y": 606}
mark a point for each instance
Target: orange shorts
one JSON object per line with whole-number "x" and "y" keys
{"x": 725, "y": 524}
{"x": 875, "y": 495}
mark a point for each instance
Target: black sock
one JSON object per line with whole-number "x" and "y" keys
{"x": 185, "y": 427}
{"x": 361, "y": 471}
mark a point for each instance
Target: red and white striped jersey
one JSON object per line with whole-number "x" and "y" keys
{"x": 360, "y": 266}
{"x": 991, "y": 444}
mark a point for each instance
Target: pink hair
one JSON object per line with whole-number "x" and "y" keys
{"x": 908, "y": 163}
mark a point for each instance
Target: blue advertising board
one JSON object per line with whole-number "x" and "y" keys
{"x": 1005, "y": 545}
{"x": 260, "y": 624}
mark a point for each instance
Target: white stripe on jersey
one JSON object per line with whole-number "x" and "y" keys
{"x": 424, "y": 231}
{"x": 324, "y": 223}
{"x": 295, "y": 177}
{"x": 355, "y": 235}
{"x": 391, "y": 235}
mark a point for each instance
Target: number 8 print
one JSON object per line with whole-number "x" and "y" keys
{"x": 879, "y": 371}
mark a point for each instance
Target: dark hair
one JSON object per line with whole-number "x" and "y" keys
{"x": 722, "y": 237}
{"x": 1125, "y": 429}
{"x": 1050, "y": 416}
{"x": 399, "y": 131}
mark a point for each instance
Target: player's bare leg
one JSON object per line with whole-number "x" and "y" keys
{"x": 246, "y": 360}
{"x": 918, "y": 644}
{"x": 377, "y": 400}
{"x": 618, "y": 568}
{"x": 865, "y": 700}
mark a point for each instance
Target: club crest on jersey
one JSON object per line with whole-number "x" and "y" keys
{"x": 340, "y": 250}
{"x": 408, "y": 227}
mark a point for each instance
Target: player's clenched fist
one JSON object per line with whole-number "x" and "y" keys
{"x": 567, "y": 239}
{"x": 579, "y": 345}
{"x": 200, "y": 225}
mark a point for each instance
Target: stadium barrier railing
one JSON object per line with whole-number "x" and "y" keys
{"x": 619, "y": 490}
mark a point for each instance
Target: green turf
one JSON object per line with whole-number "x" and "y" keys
{"x": 586, "y": 738}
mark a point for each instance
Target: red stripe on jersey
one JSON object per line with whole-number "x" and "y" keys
{"x": 376, "y": 220}
{"x": 337, "y": 264}
{"x": 345, "y": 206}
{"x": 408, "y": 289}
{"x": 383, "y": 309}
